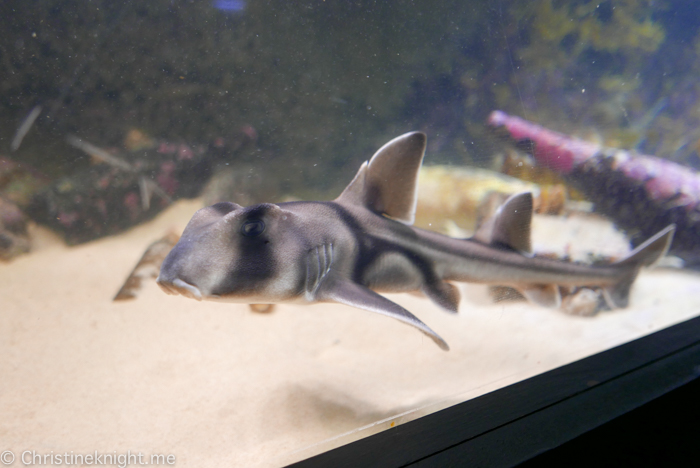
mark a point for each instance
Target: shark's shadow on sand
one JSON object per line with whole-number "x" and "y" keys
{"x": 331, "y": 410}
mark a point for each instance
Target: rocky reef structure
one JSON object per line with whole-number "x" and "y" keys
{"x": 641, "y": 193}
{"x": 14, "y": 238}
{"x": 18, "y": 183}
{"x": 124, "y": 189}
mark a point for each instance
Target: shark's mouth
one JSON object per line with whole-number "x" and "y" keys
{"x": 178, "y": 286}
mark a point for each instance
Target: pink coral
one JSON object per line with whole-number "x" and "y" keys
{"x": 166, "y": 178}
{"x": 555, "y": 150}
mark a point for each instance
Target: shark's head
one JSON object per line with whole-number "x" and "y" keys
{"x": 236, "y": 254}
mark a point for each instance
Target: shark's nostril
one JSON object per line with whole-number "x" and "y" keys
{"x": 187, "y": 289}
{"x": 177, "y": 286}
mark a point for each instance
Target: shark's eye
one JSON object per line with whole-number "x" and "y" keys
{"x": 252, "y": 228}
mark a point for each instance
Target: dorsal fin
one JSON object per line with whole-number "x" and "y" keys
{"x": 387, "y": 183}
{"x": 511, "y": 224}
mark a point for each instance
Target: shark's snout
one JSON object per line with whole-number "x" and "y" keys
{"x": 178, "y": 286}
{"x": 171, "y": 274}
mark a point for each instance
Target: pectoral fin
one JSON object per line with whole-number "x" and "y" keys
{"x": 337, "y": 289}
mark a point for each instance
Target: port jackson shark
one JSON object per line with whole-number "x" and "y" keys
{"x": 361, "y": 244}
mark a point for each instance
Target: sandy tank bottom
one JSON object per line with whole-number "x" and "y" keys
{"x": 218, "y": 385}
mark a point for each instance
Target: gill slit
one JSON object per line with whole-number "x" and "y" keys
{"x": 318, "y": 265}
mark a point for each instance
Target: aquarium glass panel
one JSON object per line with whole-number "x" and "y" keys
{"x": 245, "y": 232}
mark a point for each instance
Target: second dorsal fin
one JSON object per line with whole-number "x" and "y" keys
{"x": 387, "y": 183}
{"x": 511, "y": 224}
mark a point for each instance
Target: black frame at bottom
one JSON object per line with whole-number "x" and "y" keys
{"x": 517, "y": 422}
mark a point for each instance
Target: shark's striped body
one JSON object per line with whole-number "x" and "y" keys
{"x": 360, "y": 244}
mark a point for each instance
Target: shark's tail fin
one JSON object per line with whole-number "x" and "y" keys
{"x": 646, "y": 254}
